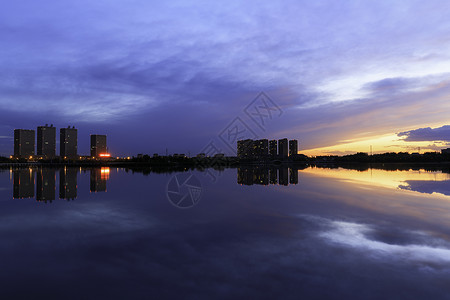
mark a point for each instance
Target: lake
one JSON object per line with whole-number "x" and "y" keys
{"x": 245, "y": 233}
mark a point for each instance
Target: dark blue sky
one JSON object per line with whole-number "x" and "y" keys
{"x": 153, "y": 75}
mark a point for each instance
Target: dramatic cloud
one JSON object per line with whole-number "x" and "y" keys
{"x": 135, "y": 65}
{"x": 427, "y": 134}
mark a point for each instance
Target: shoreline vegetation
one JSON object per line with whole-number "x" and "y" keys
{"x": 432, "y": 161}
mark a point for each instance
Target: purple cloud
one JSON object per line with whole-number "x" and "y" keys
{"x": 180, "y": 71}
{"x": 427, "y": 134}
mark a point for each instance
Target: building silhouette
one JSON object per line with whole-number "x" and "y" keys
{"x": 98, "y": 145}
{"x": 45, "y": 184}
{"x": 46, "y": 141}
{"x": 23, "y": 184}
{"x": 68, "y": 183}
{"x": 68, "y": 140}
{"x": 245, "y": 148}
{"x": 293, "y": 147}
{"x": 24, "y": 143}
{"x": 261, "y": 148}
{"x": 283, "y": 148}
{"x": 273, "y": 149}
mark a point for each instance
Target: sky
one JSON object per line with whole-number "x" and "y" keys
{"x": 181, "y": 76}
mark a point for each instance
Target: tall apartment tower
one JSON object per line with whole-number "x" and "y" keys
{"x": 283, "y": 148}
{"x": 68, "y": 142}
{"x": 98, "y": 145}
{"x": 245, "y": 148}
{"x": 273, "y": 148}
{"x": 46, "y": 141}
{"x": 23, "y": 143}
{"x": 261, "y": 148}
{"x": 293, "y": 147}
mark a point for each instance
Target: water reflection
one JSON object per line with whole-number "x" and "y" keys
{"x": 263, "y": 175}
{"x": 44, "y": 180}
{"x": 418, "y": 180}
{"x": 45, "y": 184}
{"x": 68, "y": 183}
{"x": 99, "y": 178}
{"x": 41, "y": 183}
{"x": 23, "y": 183}
{"x": 427, "y": 187}
{"x": 333, "y": 236}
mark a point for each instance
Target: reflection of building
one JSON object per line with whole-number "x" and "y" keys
{"x": 273, "y": 150}
{"x": 98, "y": 179}
{"x": 293, "y": 147}
{"x": 293, "y": 176}
{"x": 68, "y": 142}
{"x": 253, "y": 175}
{"x": 283, "y": 177}
{"x": 273, "y": 175}
{"x": 250, "y": 175}
{"x": 68, "y": 183}
{"x": 46, "y": 141}
{"x": 261, "y": 175}
{"x": 283, "y": 148}
{"x": 23, "y": 143}
{"x": 45, "y": 184}
{"x": 245, "y": 176}
{"x": 98, "y": 145}
{"x": 23, "y": 183}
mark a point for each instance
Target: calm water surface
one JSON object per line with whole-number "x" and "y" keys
{"x": 314, "y": 233}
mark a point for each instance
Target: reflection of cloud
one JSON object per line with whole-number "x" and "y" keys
{"x": 357, "y": 236}
{"x": 379, "y": 177}
{"x": 427, "y": 187}
{"x": 427, "y": 134}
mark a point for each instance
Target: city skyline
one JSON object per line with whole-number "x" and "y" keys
{"x": 41, "y": 143}
{"x": 346, "y": 76}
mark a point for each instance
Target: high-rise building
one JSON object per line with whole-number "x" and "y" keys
{"x": 283, "y": 148}
{"x": 293, "y": 147}
{"x": 98, "y": 145}
{"x": 68, "y": 140}
{"x": 245, "y": 148}
{"x": 23, "y": 143}
{"x": 273, "y": 148}
{"x": 261, "y": 148}
{"x": 46, "y": 141}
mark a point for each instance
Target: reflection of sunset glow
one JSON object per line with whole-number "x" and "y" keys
{"x": 378, "y": 177}
{"x": 104, "y": 171}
